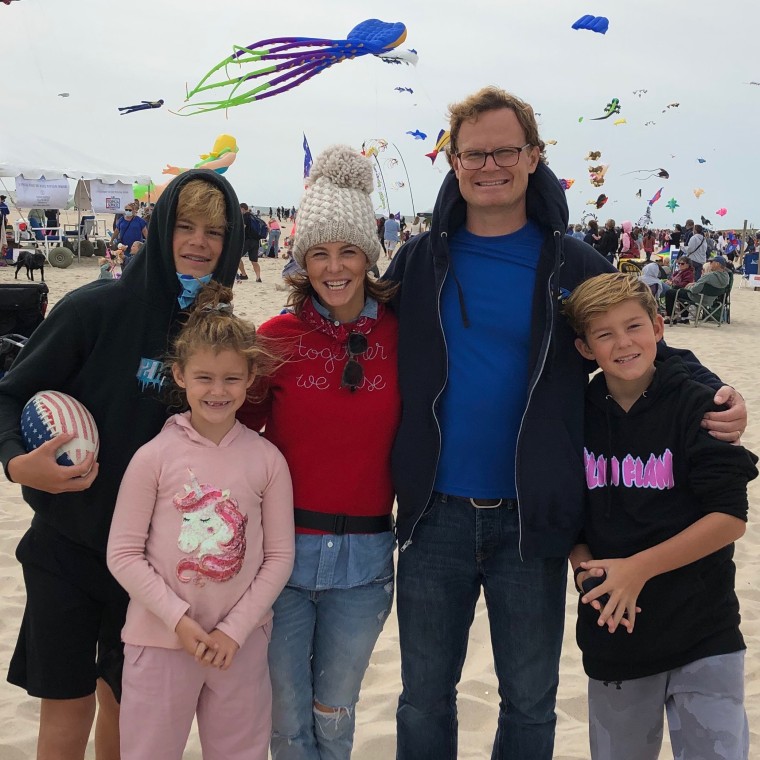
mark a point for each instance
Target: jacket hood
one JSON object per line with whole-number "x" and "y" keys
{"x": 152, "y": 274}
{"x": 545, "y": 201}
{"x": 671, "y": 373}
{"x": 181, "y": 423}
{"x": 627, "y": 227}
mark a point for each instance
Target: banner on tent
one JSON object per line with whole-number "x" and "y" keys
{"x": 42, "y": 193}
{"x": 110, "y": 199}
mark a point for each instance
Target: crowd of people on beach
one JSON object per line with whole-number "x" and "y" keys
{"x": 228, "y": 555}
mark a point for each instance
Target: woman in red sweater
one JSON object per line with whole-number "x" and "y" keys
{"x": 332, "y": 409}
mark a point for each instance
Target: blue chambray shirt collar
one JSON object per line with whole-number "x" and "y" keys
{"x": 369, "y": 310}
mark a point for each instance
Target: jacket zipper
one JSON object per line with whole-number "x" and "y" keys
{"x": 534, "y": 383}
{"x": 408, "y": 541}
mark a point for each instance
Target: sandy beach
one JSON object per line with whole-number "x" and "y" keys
{"x": 728, "y": 350}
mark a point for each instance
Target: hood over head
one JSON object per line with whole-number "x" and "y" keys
{"x": 627, "y": 227}
{"x": 152, "y": 273}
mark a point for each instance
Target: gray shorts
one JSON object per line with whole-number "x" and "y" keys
{"x": 704, "y": 701}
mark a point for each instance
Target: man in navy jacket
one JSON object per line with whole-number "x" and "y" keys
{"x": 488, "y": 459}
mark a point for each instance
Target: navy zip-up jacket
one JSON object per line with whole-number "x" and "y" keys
{"x": 549, "y": 461}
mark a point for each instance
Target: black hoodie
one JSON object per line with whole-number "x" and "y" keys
{"x": 103, "y": 344}
{"x": 549, "y": 460}
{"x": 667, "y": 473}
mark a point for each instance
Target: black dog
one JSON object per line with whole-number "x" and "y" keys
{"x": 31, "y": 260}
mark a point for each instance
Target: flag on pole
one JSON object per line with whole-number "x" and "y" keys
{"x": 307, "y": 160}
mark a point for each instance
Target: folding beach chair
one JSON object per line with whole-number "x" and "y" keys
{"x": 700, "y": 308}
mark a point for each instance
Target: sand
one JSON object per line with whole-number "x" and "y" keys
{"x": 730, "y": 351}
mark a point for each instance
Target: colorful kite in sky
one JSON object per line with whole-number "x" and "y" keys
{"x": 598, "y": 24}
{"x": 596, "y": 174}
{"x": 599, "y": 202}
{"x": 721, "y": 212}
{"x": 618, "y": 122}
{"x": 143, "y": 105}
{"x": 294, "y": 60}
{"x": 650, "y": 173}
{"x": 417, "y": 135}
{"x": 593, "y": 155}
{"x": 698, "y": 192}
{"x": 611, "y": 108}
{"x": 566, "y": 184}
{"x": 443, "y": 139}
{"x": 656, "y": 197}
{"x": 672, "y": 204}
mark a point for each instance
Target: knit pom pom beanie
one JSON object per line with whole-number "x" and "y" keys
{"x": 336, "y": 206}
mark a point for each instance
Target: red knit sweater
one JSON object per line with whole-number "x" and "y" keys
{"x": 336, "y": 442}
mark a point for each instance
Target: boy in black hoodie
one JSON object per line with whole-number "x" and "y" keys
{"x": 658, "y": 618}
{"x": 103, "y": 344}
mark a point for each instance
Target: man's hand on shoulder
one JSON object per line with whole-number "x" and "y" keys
{"x": 729, "y": 424}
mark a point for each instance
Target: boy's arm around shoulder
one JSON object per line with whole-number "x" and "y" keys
{"x": 130, "y": 526}
{"x": 254, "y": 606}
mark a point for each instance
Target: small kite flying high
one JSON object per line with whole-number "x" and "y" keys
{"x": 143, "y": 105}
{"x": 417, "y": 135}
{"x": 293, "y": 60}
{"x": 611, "y": 108}
{"x": 404, "y": 89}
{"x": 598, "y": 24}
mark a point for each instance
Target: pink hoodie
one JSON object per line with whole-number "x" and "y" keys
{"x": 202, "y": 530}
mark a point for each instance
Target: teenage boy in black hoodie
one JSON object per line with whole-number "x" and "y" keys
{"x": 658, "y": 618}
{"x": 103, "y": 344}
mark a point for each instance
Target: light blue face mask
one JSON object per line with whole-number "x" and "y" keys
{"x": 190, "y": 287}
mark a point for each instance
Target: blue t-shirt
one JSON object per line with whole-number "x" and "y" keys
{"x": 487, "y": 388}
{"x": 130, "y": 230}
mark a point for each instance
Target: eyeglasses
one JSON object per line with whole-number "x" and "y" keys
{"x": 353, "y": 372}
{"x": 503, "y": 157}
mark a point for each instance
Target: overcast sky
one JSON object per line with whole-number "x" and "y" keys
{"x": 694, "y": 52}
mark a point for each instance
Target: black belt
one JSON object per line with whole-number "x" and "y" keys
{"x": 482, "y": 503}
{"x": 340, "y": 524}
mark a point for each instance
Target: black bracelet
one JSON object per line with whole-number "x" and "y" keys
{"x": 578, "y": 570}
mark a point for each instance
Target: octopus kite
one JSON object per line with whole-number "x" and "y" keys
{"x": 294, "y": 60}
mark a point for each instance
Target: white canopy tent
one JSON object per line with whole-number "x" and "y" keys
{"x": 34, "y": 157}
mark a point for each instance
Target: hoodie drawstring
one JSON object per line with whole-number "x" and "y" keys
{"x": 555, "y": 296}
{"x": 460, "y": 292}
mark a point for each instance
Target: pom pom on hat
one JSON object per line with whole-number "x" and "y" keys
{"x": 337, "y": 205}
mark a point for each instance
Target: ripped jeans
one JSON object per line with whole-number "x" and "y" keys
{"x": 320, "y": 650}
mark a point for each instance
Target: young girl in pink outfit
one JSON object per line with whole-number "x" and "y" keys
{"x": 202, "y": 539}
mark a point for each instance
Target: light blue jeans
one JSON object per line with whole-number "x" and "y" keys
{"x": 320, "y": 650}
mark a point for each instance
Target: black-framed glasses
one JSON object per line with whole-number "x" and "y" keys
{"x": 503, "y": 157}
{"x": 353, "y": 372}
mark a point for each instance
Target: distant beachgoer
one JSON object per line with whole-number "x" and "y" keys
{"x": 4, "y": 213}
{"x": 391, "y": 235}
{"x": 274, "y": 238}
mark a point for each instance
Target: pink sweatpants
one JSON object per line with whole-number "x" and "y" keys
{"x": 163, "y": 689}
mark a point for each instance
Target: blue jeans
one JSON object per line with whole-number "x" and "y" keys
{"x": 320, "y": 650}
{"x": 456, "y": 550}
{"x": 274, "y": 241}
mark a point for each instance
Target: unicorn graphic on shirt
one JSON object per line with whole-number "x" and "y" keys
{"x": 213, "y": 531}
